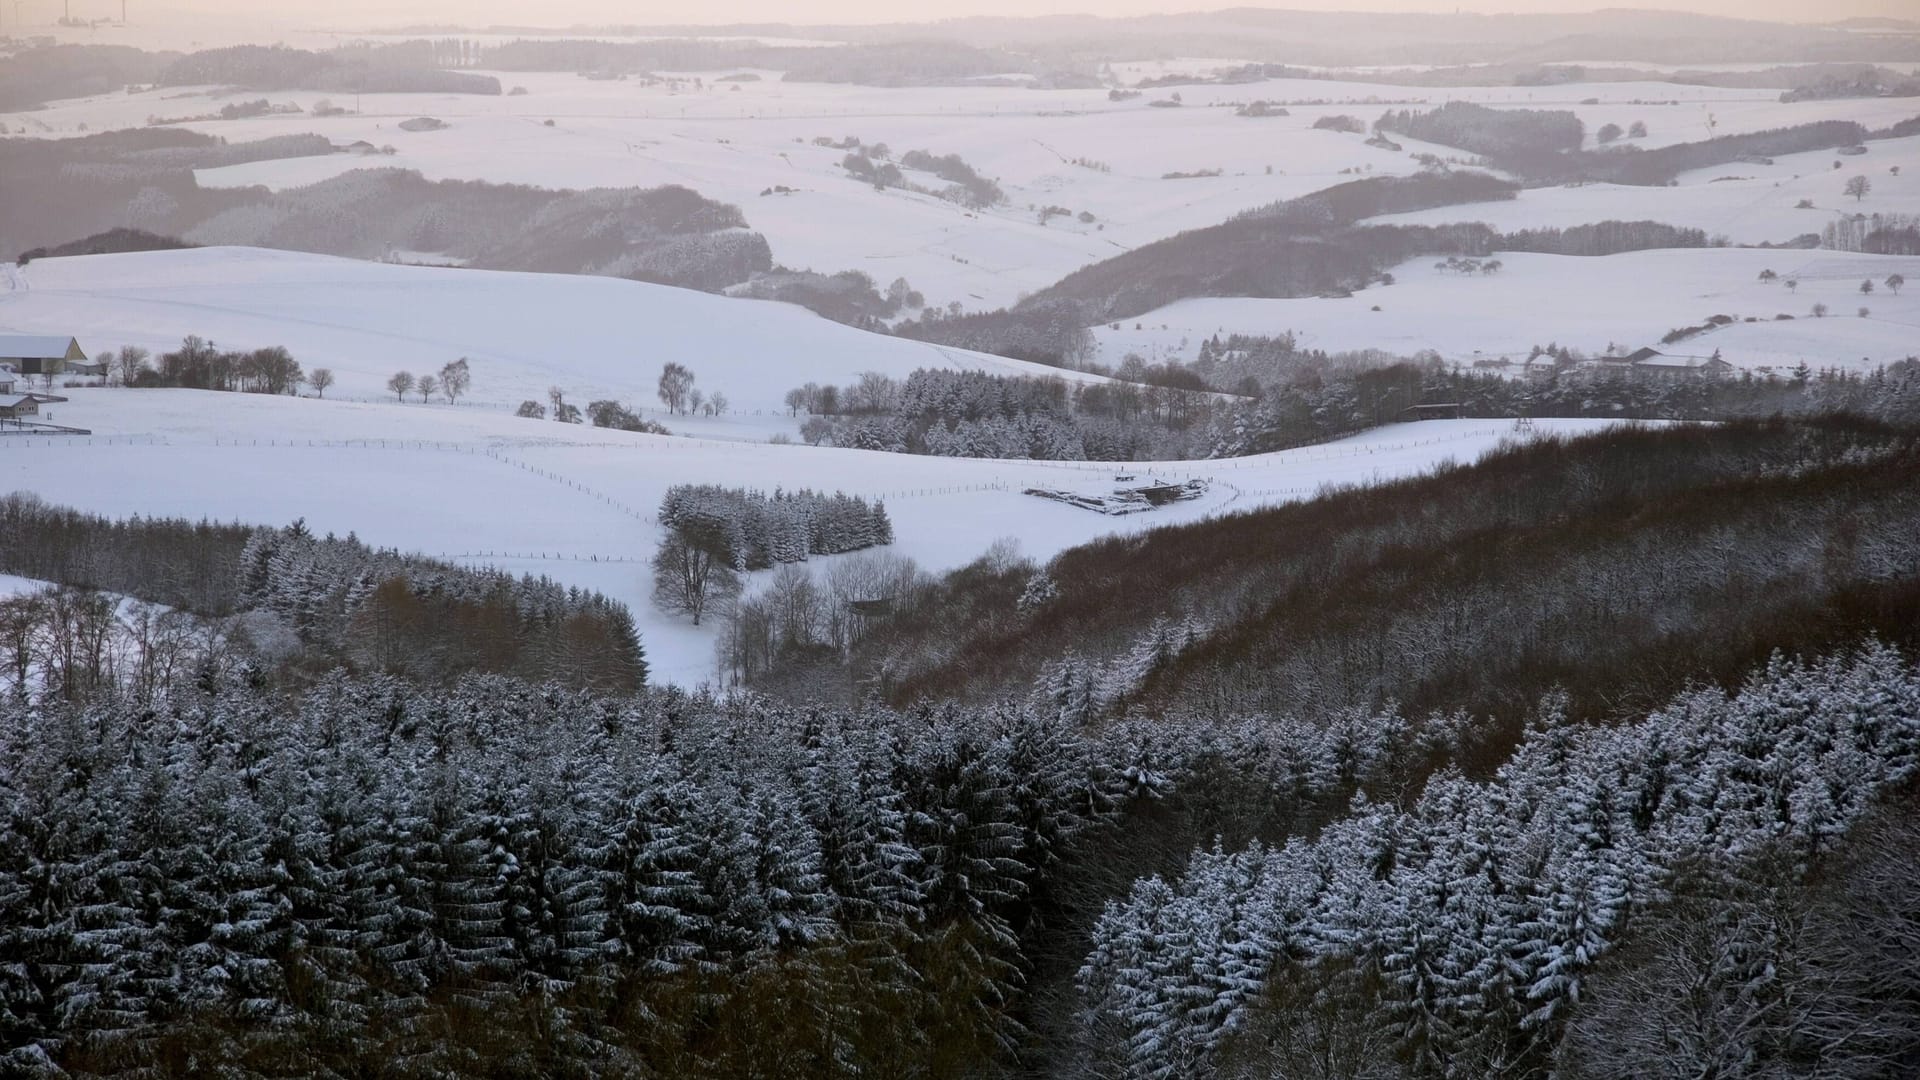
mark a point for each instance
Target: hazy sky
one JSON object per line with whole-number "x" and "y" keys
{"x": 563, "y": 12}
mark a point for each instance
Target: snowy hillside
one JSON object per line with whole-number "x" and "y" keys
{"x": 1070, "y": 148}
{"x": 1746, "y": 203}
{"x": 523, "y": 333}
{"x": 577, "y": 504}
{"x": 1587, "y": 303}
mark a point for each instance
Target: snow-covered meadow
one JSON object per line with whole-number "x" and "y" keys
{"x": 473, "y": 482}
{"x": 734, "y": 141}
{"x": 577, "y": 504}
{"x": 1745, "y": 203}
{"x": 1588, "y": 303}
{"x": 522, "y": 333}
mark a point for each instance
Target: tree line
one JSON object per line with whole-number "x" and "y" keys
{"x": 1150, "y": 412}
{"x": 1305, "y": 396}
{"x": 756, "y": 530}
{"x": 304, "y": 603}
{"x": 144, "y": 179}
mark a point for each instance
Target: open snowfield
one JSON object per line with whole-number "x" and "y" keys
{"x": 733, "y": 141}
{"x": 18, "y": 586}
{"x": 594, "y": 337}
{"x": 577, "y": 504}
{"x": 1628, "y": 300}
{"x": 1747, "y": 204}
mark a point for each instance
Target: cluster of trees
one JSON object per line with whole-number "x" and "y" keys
{"x": 1611, "y": 133}
{"x": 433, "y": 621}
{"x": 1042, "y": 332}
{"x": 611, "y": 414}
{"x": 1544, "y": 147}
{"x": 144, "y": 179}
{"x": 113, "y": 241}
{"x": 850, "y": 296}
{"x": 752, "y": 530}
{"x": 1302, "y": 247}
{"x": 1877, "y": 234}
{"x": 607, "y": 413}
{"x": 454, "y": 379}
{"x": 669, "y": 235}
{"x": 1604, "y": 238}
{"x": 678, "y": 394}
{"x": 302, "y": 603}
{"x": 1301, "y": 396}
{"x": 47, "y": 72}
{"x": 198, "y": 364}
{"x": 1155, "y": 412}
{"x": 1659, "y": 165}
{"x": 1340, "y": 122}
{"x": 412, "y": 67}
{"x": 1467, "y": 931}
{"x": 712, "y": 532}
{"x": 905, "y": 63}
{"x": 1494, "y": 133}
{"x": 874, "y": 165}
{"x": 795, "y": 636}
{"x": 79, "y": 645}
{"x": 1865, "y": 81}
{"x": 140, "y": 178}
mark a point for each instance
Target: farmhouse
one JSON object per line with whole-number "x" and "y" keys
{"x": 35, "y": 354}
{"x": 1659, "y": 366}
{"x": 8, "y": 377}
{"x": 18, "y": 406}
{"x": 1433, "y": 410}
{"x": 1653, "y": 365}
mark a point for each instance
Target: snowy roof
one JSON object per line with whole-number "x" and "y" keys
{"x": 8, "y": 401}
{"x": 35, "y": 346}
{"x": 1665, "y": 361}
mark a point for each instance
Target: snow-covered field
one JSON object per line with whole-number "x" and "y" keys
{"x": 1629, "y": 300}
{"x": 733, "y": 141}
{"x": 1747, "y": 204}
{"x": 577, "y": 504}
{"x": 18, "y": 586}
{"x": 523, "y": 333}
{"x": 472, "y": 482}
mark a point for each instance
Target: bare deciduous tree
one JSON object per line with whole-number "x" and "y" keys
{"x": 676, "y": 384}
{"x": 132, "y": 361}
{"x": 320, "y": 380}
{"x": 691, "y": 576}
{"x": 400, "y": 384}
{"x": 455, "y": 378}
